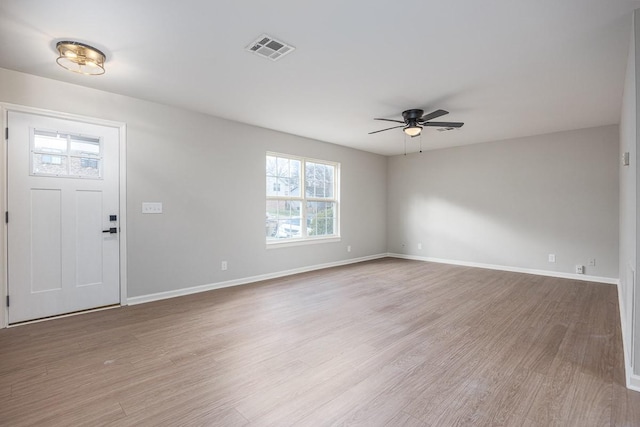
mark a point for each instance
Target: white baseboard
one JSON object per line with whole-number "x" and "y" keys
{"x": 583, "y": 277}
{"x": 245, "y": 280}
{"x": 632, "y": 381}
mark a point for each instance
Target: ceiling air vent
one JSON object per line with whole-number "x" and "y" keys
{"x": 268, "y": 47}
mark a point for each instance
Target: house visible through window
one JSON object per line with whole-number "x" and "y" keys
{"x": 65, "y": 155}
{"x": 302, "y": 198}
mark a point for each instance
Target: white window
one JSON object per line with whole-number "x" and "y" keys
{"x": 302, "y": 199}
{"x": 65, "y": 155}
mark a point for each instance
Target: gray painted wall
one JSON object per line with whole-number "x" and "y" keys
{"x": 511, "y": 203}
{"x": 629, "y": 199}
{"x": 209, "y": 175}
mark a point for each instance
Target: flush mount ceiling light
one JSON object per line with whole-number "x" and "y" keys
{"x": 80, "y": 58}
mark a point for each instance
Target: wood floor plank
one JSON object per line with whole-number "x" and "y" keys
{"x": 388, "y": 342}
{"x": 402, "y": 419}
{"x": 589, "y": 401}
{"x": 290, "y": 395}
{"x": 363, "y": 404}
{"x": 625, "y": 409}
{"x": 513, "y": 399}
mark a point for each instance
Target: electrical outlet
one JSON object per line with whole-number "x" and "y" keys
{"x": 348, "y": 248}
{"x": 419, "y": 246}
{"x": 591, "y": 262}
{"x": 579, "y": 269}
{"x": 552, "y": 257}
{"x": 223, "y": 265}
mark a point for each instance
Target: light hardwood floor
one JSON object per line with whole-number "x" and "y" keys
{"x": 383, "y": 343}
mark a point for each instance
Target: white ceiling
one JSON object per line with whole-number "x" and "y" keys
{"x": 506, "y": 68}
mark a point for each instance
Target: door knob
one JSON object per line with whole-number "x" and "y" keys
{"x": 112, "y": 230}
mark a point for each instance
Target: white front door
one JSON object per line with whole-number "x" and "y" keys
{"x": 62, "y": 199}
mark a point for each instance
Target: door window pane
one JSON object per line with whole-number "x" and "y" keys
{"x": 49, "y": 164}
{"x": 85, "y": 167}
{"x": 64, "y": 155}
{"x": 85, "y": 145}
{"x": 49, "y": 142}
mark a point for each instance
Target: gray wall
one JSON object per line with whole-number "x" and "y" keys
{"x": 209, "y": 174}
{"x": 511, "y": 203}
{"x": 628, "y": 200}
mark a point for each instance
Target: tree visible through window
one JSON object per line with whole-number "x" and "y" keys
{"x": 294, "y": 213}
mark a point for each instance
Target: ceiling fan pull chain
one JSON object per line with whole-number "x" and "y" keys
{"x": 405, "y": 145}
{"x": 421, "y": 142}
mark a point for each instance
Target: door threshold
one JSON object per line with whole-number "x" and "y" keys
{"x": 60, "y": 316}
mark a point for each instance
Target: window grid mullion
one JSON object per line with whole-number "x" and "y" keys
{"x": 303, "y": 193}
{"x": 318, "y": 199}
{"x": 286, "y": 198}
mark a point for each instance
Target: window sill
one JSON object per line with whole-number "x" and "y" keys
{"x": 301, "y": 242}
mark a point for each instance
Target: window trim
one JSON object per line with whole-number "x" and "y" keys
{"x": 306, "y": 240}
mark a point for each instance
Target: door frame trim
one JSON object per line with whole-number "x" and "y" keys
{"x": 4, "y": 255}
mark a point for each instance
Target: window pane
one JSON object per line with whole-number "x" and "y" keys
{"x": 271, "y": 166}
{"x": 291, "y": 178}
{"x": 85, "y": 145}
{"x": 49, "y": 142}
{"x": 283, "y": 176}
{"x": 85, "y": 167}
{"x": 319, "y": 180}
{"x": 283, "y": 219}
{"x": 272, "y": 222}
{"x": 321, "y": 227}
{"x": 320, "y": 217}
{"x": 329, "y": 184}
{"x": 49, "y": 164}
{"x": 274, "y": 187}
{"x": 309, "y": 179}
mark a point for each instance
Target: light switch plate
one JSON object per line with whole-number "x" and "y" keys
{"x": 152, "y": 207}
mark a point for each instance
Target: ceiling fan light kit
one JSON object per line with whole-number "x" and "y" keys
{"x": 415, "y": 120}
{"x": 80, "y": 58}
{"x": 413, "y": 130}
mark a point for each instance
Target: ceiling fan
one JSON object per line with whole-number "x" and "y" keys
{"x": 415, "y": 120}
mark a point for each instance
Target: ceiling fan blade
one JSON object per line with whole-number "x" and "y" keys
{"x": 391, "y": 120}
{"x": 382, "y": 130}
{"x": 433, "y": 115}
{"x": 444, "y": 124}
